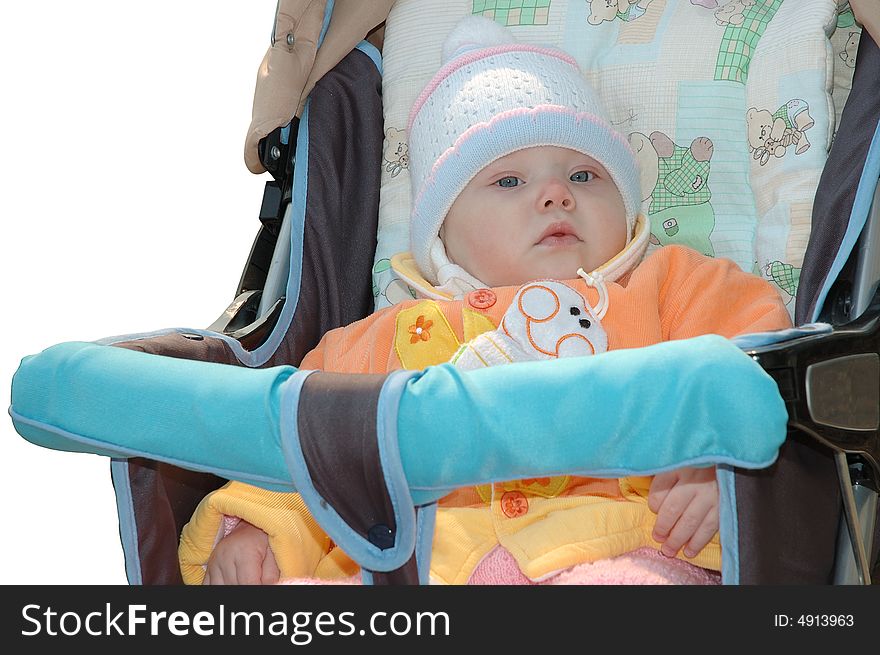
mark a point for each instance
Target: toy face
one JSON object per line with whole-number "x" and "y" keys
{"x": 554, "y": 320}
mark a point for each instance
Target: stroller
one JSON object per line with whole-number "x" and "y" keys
{"x": 308, "y": 272}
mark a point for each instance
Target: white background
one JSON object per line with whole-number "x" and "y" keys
{"x": 125, "y": 206}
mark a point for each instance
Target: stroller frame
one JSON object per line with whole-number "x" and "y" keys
{"x": 848, "y": 299}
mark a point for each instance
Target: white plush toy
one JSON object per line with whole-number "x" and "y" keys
{"x": 546, "y": 320}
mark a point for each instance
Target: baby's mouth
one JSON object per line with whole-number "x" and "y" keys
{"x": 555, "y": 240}
{"x": 558, "y": 234}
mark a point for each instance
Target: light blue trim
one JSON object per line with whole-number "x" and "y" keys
{"x": 426, "y": 519}
{"x": 328, "y": 14}
{"x": 356, "y": 546}
{"x": 857, "y": 218}
{"x": 127, "y": 521}
{"x": 392, "y": 469}
{"x": 728, "y": 525}
{"x": 366, "y": 576}
{"x": 372, "y": 52}
{"x": 760, "y": 339}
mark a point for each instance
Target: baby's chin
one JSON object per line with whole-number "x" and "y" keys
{"x": 540, "y": 266}
{"x": 565, "y": 267}
{"x": 543, "y": 273}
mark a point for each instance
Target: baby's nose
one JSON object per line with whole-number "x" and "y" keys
{"x": 555, "y": 195}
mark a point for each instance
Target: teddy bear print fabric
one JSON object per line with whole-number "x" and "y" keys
{"x": 731, "y": 129}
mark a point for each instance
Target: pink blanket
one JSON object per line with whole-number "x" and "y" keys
{"x": 644, "y": 566}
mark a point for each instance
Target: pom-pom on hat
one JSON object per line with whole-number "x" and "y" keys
{"x": 493, "y": 96}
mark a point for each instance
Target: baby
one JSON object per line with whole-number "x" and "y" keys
{"x": 517, "y": 177}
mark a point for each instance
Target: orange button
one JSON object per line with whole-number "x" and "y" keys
{"x": 481, "y": 298}
{"x": 514, "y": 504}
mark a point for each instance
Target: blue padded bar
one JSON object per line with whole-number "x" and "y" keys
{"x": 620, "y": 413}
{"x": 693, "y": 402}
{"x": 83, "y": 397}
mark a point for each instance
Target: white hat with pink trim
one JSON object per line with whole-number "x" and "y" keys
{"x": 493, "y": 96}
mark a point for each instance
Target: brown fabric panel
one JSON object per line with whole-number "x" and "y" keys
{"x": 351, "y": 22}
{"x": 408, "y": 574}
{"x": 183, "y": 346}
{"x": 164, "y": 496}
{"x": 840, "y": 180}
{"x": 342, "y": 206}
{"x": 337, "y": 432}
{"x": 788, "y": 516}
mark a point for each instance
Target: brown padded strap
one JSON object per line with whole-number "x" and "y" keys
{"x": 336, "y": 423}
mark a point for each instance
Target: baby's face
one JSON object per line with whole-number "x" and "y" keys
{"x": 541, "y": 212}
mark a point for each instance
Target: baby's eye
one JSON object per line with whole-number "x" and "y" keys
{"x": 582, "y": 176}
{"x": 508, "y": 182}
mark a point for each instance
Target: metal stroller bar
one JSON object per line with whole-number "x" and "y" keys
{"x": 853, "y": 522}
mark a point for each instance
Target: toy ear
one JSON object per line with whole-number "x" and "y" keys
{"x": 574, "y": 345}
{"x": 538, "y": 303}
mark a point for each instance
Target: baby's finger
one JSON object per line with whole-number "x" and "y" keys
{"x": 271, "y": 572}
{"x": 213, "y": 576}
{"x": 687, "y": 525}
{"x": 703, "y": 534}
{"x": 248, "y": 569}
{"x": 670, "y": 512}
{"x": 661, "y": 485}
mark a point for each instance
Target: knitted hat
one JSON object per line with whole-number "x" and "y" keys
{"x": 493, "y": 96}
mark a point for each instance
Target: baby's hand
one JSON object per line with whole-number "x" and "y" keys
{"x": 242, "y": 557}
{"x": 686, "y": 504}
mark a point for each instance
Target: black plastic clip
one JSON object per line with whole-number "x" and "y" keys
{"x": 276, "y": 157}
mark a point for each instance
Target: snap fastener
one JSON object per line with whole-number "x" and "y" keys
{"x": 381, "y": 536}
{"x": 193, "y": 337}
{"x": 482, "y": 298}
{"x": 514, "y": 504}
{"x": 290, "y": 39}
